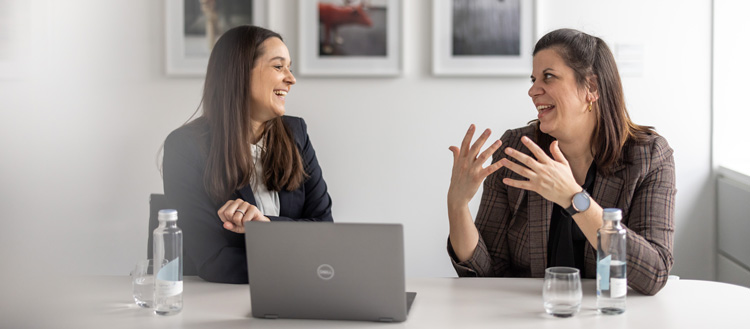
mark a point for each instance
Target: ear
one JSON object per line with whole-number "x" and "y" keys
{"x": 592, "y": 90}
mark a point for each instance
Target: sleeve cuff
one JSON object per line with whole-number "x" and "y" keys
{"x": 465, "y": 268}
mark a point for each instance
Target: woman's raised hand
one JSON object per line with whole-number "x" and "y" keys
{"x": 551, "y": 178}
{"x": 468, "y": 173}
{"x": 235, "y": 213}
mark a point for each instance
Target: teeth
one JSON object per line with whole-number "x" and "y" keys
{"x": 280, "y": 92}
{"x": 543, "y": 107}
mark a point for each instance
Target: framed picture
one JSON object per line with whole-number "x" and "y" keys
{"x": 482, "y": 37}
{"x": 193, "y": 26}
{"x": 350, "y": 37}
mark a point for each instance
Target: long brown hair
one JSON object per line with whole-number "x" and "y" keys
{"x": 226, "y": 110}
{"x": 591, "y": 60}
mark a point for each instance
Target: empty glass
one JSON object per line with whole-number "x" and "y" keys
{"x": 143, "y": 283}
{"x": 562, "y": 291}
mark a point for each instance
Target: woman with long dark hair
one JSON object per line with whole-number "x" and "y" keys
{"x": 242, "y": 159}
{"x": 544, "y": 193}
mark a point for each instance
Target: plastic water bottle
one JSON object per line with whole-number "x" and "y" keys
{"x": 611, "y": 272}
{"x": 167, "y": 264}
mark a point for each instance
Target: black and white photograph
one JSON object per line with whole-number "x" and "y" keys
{"x": 350, "y": 37}
{"x": 486, "y": 27}
{"x": 482, "y": 37}
{"x": 194, "y": 26}
{"x": 353, "y": 27}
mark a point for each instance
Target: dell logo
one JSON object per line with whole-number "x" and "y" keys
{"x": 325, "y": 272}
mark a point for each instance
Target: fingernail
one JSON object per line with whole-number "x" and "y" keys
{"x": 508, "y": 150}
{"x": 525, "y": 139}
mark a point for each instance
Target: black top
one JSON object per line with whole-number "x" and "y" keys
{"x": 566, "y": 241}
{"x": 219, "y": 254}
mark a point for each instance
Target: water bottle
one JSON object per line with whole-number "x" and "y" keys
{"x": 611, "y": 275}
{"x": 167, "y": 264}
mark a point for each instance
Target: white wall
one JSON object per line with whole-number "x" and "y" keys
{"x": 82, "y": 130}
{"x": 730, "y": 87}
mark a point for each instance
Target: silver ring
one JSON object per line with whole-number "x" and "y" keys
{"x": 240, "y": 211}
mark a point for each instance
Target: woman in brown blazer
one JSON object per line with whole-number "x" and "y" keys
{"x": 582, "y": 144}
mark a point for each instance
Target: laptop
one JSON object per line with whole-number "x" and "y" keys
{"x": 332, "y": 271}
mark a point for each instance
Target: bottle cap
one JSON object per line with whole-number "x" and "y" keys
{"x": 612, "y": 214}
{"x": 167, "y": 215}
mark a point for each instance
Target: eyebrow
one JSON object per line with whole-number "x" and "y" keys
{"x": 279, "y": 58}
{"x": 543, "y": 72}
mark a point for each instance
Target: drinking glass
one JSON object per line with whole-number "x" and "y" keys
{"x": 143, "y": 283}
{"x": 562, "y": 291}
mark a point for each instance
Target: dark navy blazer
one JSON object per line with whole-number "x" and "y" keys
{"x": 217, "y": 254}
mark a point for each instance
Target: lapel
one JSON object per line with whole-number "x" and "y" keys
{"x": 540, "y": 214}
{"x": 607, "y": 192}
{"x": 246, "y": 193}
{"x": 284, "y": 196}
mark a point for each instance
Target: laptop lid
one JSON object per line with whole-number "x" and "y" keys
{"x": 341, "y": 271}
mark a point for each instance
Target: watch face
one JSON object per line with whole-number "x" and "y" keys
{"x": 581, "y": 201}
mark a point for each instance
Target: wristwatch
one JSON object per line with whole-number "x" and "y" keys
{"x": 580, "y": 203}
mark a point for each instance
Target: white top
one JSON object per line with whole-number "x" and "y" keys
{"x": 266, "y": 201}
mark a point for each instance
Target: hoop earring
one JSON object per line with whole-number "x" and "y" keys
{"x": 590, "y": 104}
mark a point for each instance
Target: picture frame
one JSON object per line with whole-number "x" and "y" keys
{"x": 338, "y": 47}
{"x": 505, "y": 51}
{"x": 187, "y": 46}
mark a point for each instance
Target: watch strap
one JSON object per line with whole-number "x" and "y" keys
{"x": 571, "y": 210}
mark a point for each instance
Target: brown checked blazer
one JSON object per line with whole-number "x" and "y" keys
{"x": 514, "y": 224}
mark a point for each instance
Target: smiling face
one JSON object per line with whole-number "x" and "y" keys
{"x": 561, "y": 104}
{"x": 270, "y": 81}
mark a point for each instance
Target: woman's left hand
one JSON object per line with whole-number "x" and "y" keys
{"x": 234, "y": 214}
{"x": 551, "y": 178}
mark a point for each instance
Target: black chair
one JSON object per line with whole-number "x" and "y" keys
{"x": 158, "y": 202}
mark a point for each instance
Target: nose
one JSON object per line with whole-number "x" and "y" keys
{"x": 535, "y": 90}
{"x": 289, "y": 78}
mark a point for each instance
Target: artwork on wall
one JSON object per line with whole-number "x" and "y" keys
{"x": 193, "y": 26}
{"x": 350, "y": 37}
{"x": 482, "y": 37}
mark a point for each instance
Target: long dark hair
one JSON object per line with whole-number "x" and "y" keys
{"x": 591, "y": 60}
{"x": 226, "y": 110}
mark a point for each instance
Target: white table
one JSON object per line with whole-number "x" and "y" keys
{"x": 105, "y": 302}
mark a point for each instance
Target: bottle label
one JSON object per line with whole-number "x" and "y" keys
{"x": 619, "y": 287}
{"x": 170, "y": 271}
{"x": 602, "y": 273}
{"x": 167, "y": 288}
{"x": 168, "y": 281}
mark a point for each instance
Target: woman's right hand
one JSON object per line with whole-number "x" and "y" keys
{"x": 468, "y": 173}
{"x": 235, "y": 213}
